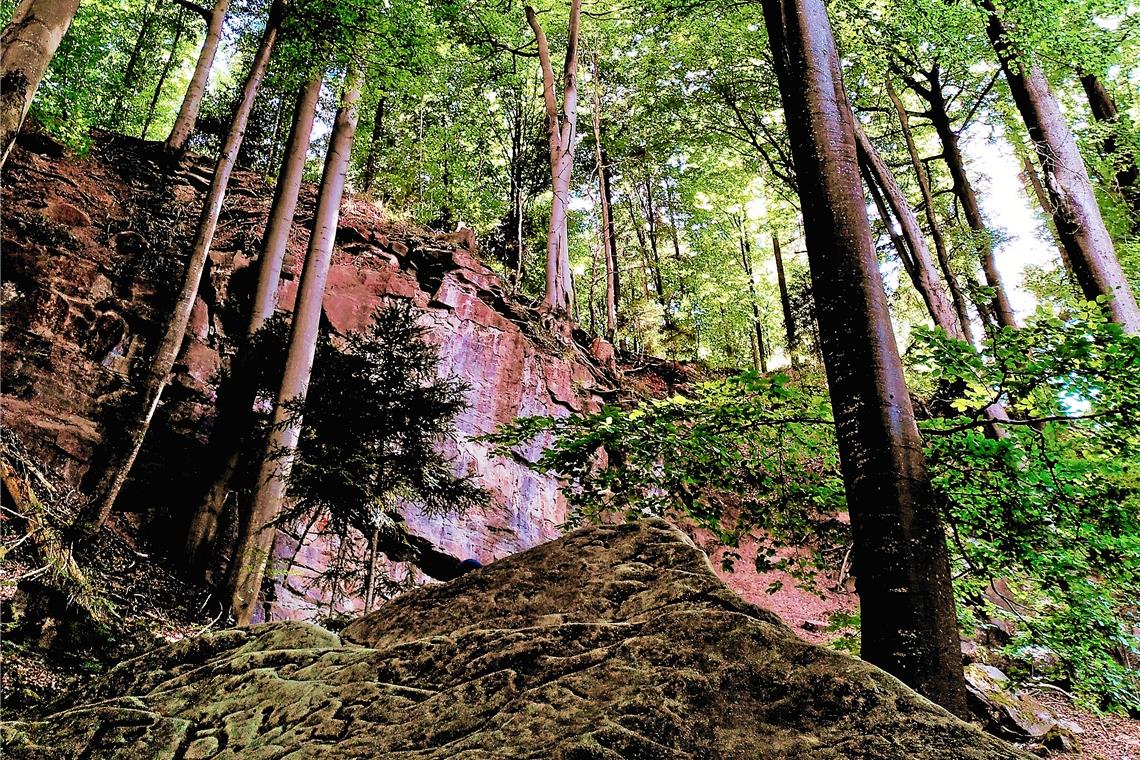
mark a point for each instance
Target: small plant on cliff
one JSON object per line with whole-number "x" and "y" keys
{"x": 375, "y": 417}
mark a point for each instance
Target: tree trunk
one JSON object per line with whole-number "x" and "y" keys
{"x": 606, "y": 232}
{"x": 785, "y": 302}
{"x": 180, "y": 26}
{"x": 371, "y": 163}
{"x": 188, "y": 114}
{"x": 961, "y": 307}
{"x": 964, "y": 191}
{"x": 562, "y": 129}
{"x": 141, "y": 411}
{"x": 132, "y": 65}
{"x": 235, "y": 403}
{"x": 608, "y": 191}
{"x": 921, "y": 269}
{"x": 746, "y": 261}
{"x": 371, "y": 569}
{"x": 26, "y": 48}
{"x": 1075, "y": 211}
{"x": 1032, "y": 180}
{"x": 1104, "y": 109}
{"x": 908, "y": 619}
{"x": 252, "y": 554}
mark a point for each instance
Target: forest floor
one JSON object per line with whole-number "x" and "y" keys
{"x": 153, "y": 606}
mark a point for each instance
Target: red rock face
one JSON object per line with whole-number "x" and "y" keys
{"x": 80, "y": 306}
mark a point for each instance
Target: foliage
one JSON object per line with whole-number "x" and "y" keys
{"x": 1051, "y": 506}
{"x": 375, "y": 419}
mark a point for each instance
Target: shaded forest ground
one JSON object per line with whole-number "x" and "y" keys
{"x": 153, "y": 605}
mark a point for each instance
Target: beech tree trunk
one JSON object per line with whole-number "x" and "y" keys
{"x": 141, "y": 411}
{"x": 921, "y": 266}
{"x": 1075, "y": 210}
{"x": 1104, "y": 109}
{"x": 371, "y": 163}
{"x": 1033, "y": 181}
{"x": 27, "y": 46}
{"x": 132, "y": 64}
{"x": 964, "y": 191}
{"x": 235, "y": 403}
{"x": 909, "y": 626}
{"x": 961, "y": 304}
{"x": 562, "y": 127}
{"x": 785, "y": 302}
{"x": 607, "y": 233}
{"x": 179, "y": 28}
{"x": 761, "y": 354}
{"x": 256, "y": 539}
{"x": 188, "y": 114}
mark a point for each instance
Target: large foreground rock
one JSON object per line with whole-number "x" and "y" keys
{"x": 612, "y": 642}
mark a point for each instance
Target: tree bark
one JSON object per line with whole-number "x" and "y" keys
{"x": 179, "y": 28}
{"x": 964, "y": 191}
{"x": 373, "y": 159}
{"x": 909, "y": 626}
{"x": 1104, "y": 109}
{"x": 961, "y": 307}
{"x": 921, "y": 266}
{"x": 1075, "y": 210}
{"x": 188, "y": 114}
{"x": 235, "y": 403}
{"x": 562, "y": 129}
{"x": 1033, "y": 182}
{"x": 761, "y": 354}
{"x": 785, "y": 302}
{"x": 607, "y": 232}
{"x": 256, "y": 540}
{"x": 27, "y": 46}
{"x": 140, "y": 413}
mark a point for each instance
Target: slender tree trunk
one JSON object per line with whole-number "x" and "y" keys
{"x": 372, "y": 569}
{"x": 1032, "y": 180}
{"x": 27, "y": 46}
{"x": 179, "y": 28}
{"x": 655, "y": 260}
{"x": 608, "y": 192}
{"x": 188, "y": 114}
{"x": 371, "y": 163}
{"x": 785, "y": 302}
{"x": 1104, "y": 109}
{"x": 562, "y": 128}
{"x": 757, "y": 326}
{"x": 140, "y": 412}
{"x": 967, "y": 197}
{"x": 909, "y": 626}
{"x": 132, "y": 64}
{"x": 1075, "y": 210}
{"x": 921, "y": 269}
{"x": 958, "y": 298}
{"x": 235, "y": 403}
{"x": 256, "y": 541}
{"x": 606, "y": 231}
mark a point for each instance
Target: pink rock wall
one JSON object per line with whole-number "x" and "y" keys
{"x": 80, "y": 305}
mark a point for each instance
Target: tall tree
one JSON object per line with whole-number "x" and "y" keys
{"x": 943, "y": 255}
{"x": 1075, "y": 210}
{"x": 255, "y": 541}
{"x": 908, "y": 620}
{"x": 917, "y": 259}
{"x": 608, "y": 238}
{"x": 562, "y": 127}
{"x": 236, "y": 400}
{"x": 939, "y": 115}
{"x": 26, "y": 48}
{"x": 187, "y": 119}
{"x": 141, "y": 409}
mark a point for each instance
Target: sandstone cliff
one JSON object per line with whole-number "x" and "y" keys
{"x": 612, "y": 642}
{"x": 92, "y": 250}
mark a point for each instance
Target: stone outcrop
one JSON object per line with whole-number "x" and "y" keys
{"x": 612, "y": 642}
{"x": 86, "y": 291}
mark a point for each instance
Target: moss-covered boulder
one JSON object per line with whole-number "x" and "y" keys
{"x": 612, "y": 642}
